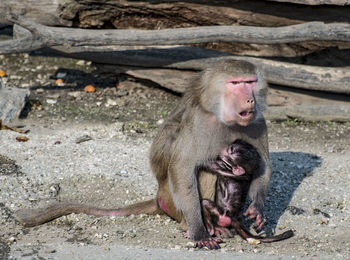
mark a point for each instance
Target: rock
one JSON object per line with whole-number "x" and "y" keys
{"x": 12, "y": 102}
{"x": 75, "y": 94}
{"x": 81, "y": 62}
{"x": 190, "y": 244}
{"x": 160, "y": 121}
{"x": 51, "y": 101}
{"x": 253, "y": 241}
{"x": 61, "y": 75}
{"x": 83, "y": 138}
{"x": 111, "y": 102}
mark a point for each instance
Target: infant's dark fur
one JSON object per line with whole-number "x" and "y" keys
{"x": 235, "y": 167}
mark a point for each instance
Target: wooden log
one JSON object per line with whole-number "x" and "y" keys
{"x": 315, "y": 2}
{"x": 41, "y": 11}
{"x": 179, "y": 14}
{"x": 314, "y": 112}
{"x": 160, "y": 14}
{"x": 311, "y": 108}
{"x": 327, "y": 79}
{"x": 309, "y": 77}
{"x": 51, "y": 36}
{"x": 171, "y": 79}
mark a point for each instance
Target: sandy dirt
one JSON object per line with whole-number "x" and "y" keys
{"x": 309, "y": 190}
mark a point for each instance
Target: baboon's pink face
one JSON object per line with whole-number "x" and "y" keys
{"x": 239, "y": 100}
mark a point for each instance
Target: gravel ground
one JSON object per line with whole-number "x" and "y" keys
{"x": 309, "y": 189}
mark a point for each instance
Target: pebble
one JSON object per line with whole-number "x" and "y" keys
{"x": 83, "y": 138}
{"x": 15, "y": 77}
{"x": 111, "y": 102}
{"x": 160, "y": 121}
{"x": 190, "y": 244}
{"x": 53, "y": 96}
{"x": 50, "y": 251}
{"x": 81, "y": 62}
{"x": 61, "y": 75}
{"x": 51, "y": 101}
{"x": 98, "y": 235}
{"x": 253, "y": 241}
{"x": 25, "y": 85}
{"x": 324, "y": 221}
{"x": 75, "y": 94}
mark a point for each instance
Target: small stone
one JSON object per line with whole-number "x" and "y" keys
{"x": 40, "y": 90}
{"x": 75, "y": 94}
{"x": 253, "y": 241}
{"x": 177, "y": 247}
{"x": 281, "y": 227}
{"x": 15, "y": 77}
{"x": 50, "y": 251}
{"x": 111, "y": 102}
{"x": 160, "y": 121}
{"x": 25, "y": 85}
{"x": 12, "y": 239}
{"x": 81, "y": 62}
{"x": 61, "y": 75}
{"x": 83, "y": 138}
{"x": 190, "y": 244}
{"x": 98, "y": 235}
{"x": 51, "y": 101}
{"x": 324, "y": 221}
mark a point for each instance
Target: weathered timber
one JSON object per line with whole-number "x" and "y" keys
{"x": 330, "y": 79}
{"x": 155, "y": 15}
{"x": 172, "y": 14}
{"x": 171, "y": 79}
{"x": 160, "y": 14}
{"x": 315, "y": 2}
{"x": 314, "y": 112}
{"x": 42, "y": 11}
{"x": 50, "y": 36}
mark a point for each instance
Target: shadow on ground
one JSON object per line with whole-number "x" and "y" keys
{"x": 289, "y": 170}
{"x": 4, "y": 250}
